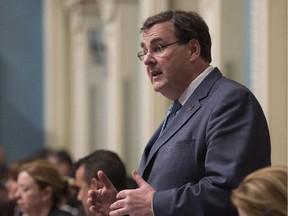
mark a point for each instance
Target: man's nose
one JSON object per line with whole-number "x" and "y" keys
{"x": 149, "y": 59}
{"x": 17, "y": 194}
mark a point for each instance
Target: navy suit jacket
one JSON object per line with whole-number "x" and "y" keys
{"x": 218, "y": 137}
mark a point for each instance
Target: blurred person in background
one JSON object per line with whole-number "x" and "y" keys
{"x": 3, "y": 177}
{"x": 262, "y": 193}
{"x": 41, "y": 189}
{"x": 63, "y": 160}
{"x": 86, "y": 170}
{"x": 3, "y": 199}
{"x": 3, "y": 165}
{"x": 10, "y": 208}
{"x": 60, "y": 157}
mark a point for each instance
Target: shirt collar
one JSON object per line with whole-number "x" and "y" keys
{"x": 194, "y": 84}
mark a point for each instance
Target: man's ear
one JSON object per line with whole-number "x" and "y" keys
{"x": 47, "y": 193}
{"x": 96, "y": 184}
{"x": 194, "y": 49}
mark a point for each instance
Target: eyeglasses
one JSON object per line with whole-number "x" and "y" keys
{"x": 156, "y": 50}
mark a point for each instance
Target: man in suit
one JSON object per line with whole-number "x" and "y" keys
{"x": 218, "y": 135}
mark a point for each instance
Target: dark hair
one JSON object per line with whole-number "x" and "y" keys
{"x": 64, "y": 157}
{"x": 107, "y": 161}
{"x": 61, "y": 155}
{"x": 187, "y": 25}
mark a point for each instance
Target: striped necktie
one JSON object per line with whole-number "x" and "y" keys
{"x": 172, "y": 110}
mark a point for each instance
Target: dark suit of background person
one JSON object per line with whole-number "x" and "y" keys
{"x": 217, "y": 137}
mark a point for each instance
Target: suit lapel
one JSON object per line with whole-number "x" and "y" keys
{"x": 184, "y": 114}
{"x": 147, "y": 149}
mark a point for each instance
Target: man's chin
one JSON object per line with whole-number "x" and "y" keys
{"x": 157, "y": 87}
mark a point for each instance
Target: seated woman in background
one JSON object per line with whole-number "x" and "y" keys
{"x": 41, "y": 189}
{"x": 10, "y": 208}
{"x": 262, "y": 193}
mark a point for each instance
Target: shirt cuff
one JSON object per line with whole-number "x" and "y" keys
{"x": 152, "y": 205}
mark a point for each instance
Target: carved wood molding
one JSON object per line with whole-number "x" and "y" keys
{"x": 80, "y": 10}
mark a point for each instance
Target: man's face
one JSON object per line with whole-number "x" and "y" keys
{"x": 83, "y": 189}
{"x": 169, "y": 70}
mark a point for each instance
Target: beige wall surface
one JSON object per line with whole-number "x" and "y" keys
{"x": 122, "y": 87}
{"x": 278, "y": 80}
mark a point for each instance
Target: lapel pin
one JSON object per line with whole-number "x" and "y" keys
{"x": 190, "y": 107}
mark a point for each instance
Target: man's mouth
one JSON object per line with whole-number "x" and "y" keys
{"x": 155, "y": 73}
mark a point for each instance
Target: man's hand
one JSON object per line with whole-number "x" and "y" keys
{"x": 134, "y": 202}
{"x": 101, "y": 199}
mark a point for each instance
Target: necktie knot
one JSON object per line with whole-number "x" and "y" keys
{"x": 175, "y": 106}
{"x": 172, "y": 110}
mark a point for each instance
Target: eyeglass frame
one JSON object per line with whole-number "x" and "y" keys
{"x": 159, "y": 49}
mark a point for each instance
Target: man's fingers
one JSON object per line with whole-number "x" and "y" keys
{"x": 92, "y": 209}
{"x": 90, "y": 201}
{"x": 120, "y": 204}
{"x": 105, "y": 181}
{"x": 138, "y": 179}
{"x": 93, "y": 196}
{"x": 122, "y": 194}
{"x": 92, "y": 193}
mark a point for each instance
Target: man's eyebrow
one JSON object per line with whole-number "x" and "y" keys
{"x": 154, "y": 40}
